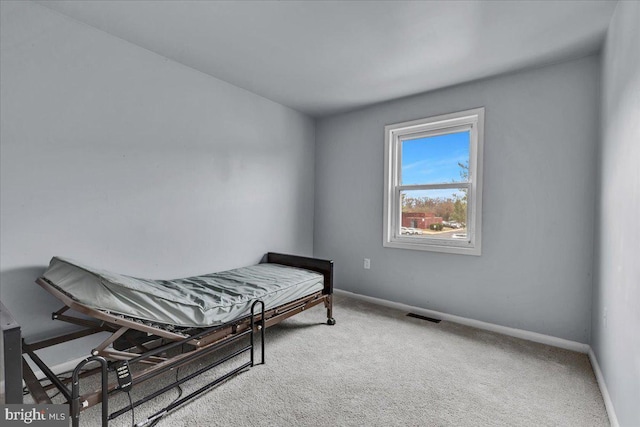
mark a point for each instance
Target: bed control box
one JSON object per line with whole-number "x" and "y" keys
{"x": 125, "y": 382}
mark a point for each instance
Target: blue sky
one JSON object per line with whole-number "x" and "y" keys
{"x": 434, "y": 159}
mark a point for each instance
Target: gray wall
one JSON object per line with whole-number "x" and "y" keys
{"x": 128, "y": 161}
{"x": 535, "y": 272}
{"x": 616, "y": 294}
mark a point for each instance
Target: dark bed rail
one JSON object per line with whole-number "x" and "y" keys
{"x": 325, "y": 267}
{"x": 322, "y": 266}
{"x": 250, "y": 348}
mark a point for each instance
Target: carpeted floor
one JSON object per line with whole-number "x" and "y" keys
{"x": 377, "y": 367}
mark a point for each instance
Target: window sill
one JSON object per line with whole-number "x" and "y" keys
{"x": 433, "y": 247}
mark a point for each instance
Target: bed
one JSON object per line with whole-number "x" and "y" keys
{"x": 146, "y": 319}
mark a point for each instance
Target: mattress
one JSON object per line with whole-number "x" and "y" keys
{"x": 200, "y": 301}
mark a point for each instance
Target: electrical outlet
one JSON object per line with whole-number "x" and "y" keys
{"x": 367, "y": 263}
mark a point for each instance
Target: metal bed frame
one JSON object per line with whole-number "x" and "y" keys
{"x": 132, "y": 341}
{"x": 10, "y": 355}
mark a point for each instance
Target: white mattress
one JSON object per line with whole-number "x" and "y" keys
{"x": 199, "y": 301}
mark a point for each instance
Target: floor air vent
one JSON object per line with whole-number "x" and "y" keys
{"x": 430, "y": 319}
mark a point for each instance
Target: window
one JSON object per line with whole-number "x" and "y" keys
{"x": 433, "y": 183}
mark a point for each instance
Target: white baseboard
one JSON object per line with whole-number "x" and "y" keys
{"x": 608, "y": 404}
{"x": 61, "y": 368}
{"x": 518, "y": 333}
{"x": 513, "y": 332}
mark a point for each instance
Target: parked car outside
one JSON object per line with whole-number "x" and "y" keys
{"x": 409, "y": 231}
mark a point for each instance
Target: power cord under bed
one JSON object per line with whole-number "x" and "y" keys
{"x": 157, "y": 420}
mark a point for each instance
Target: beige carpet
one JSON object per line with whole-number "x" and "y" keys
{"x": 377, "y": 367}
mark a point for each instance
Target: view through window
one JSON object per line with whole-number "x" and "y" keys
{"x": 435, "y": 161}
{"x": 433, "y": 183}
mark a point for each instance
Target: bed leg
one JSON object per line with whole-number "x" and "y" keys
{"x": 328, "y": 303}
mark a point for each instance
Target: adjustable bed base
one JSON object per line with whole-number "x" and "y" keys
{"x": 146, "y": 342}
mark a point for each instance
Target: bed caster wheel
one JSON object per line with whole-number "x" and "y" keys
{"x": 331, "y": 321}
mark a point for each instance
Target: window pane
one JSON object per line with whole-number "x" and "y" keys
{"x": 435, "y": 159}
{"x": 439, "y": 214}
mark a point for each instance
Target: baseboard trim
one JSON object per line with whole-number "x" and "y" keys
{"x": 518, "y": 333}
{"x": 61, "y": 368}
{"x": 513, "y": 332}
{"x": 58, "y": 369}
{"x": 608, "y": 403}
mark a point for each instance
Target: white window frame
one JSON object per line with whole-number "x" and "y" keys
{"x": 471, "y": 120}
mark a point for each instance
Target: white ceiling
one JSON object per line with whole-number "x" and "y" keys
{"x": 325, "y": 57}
